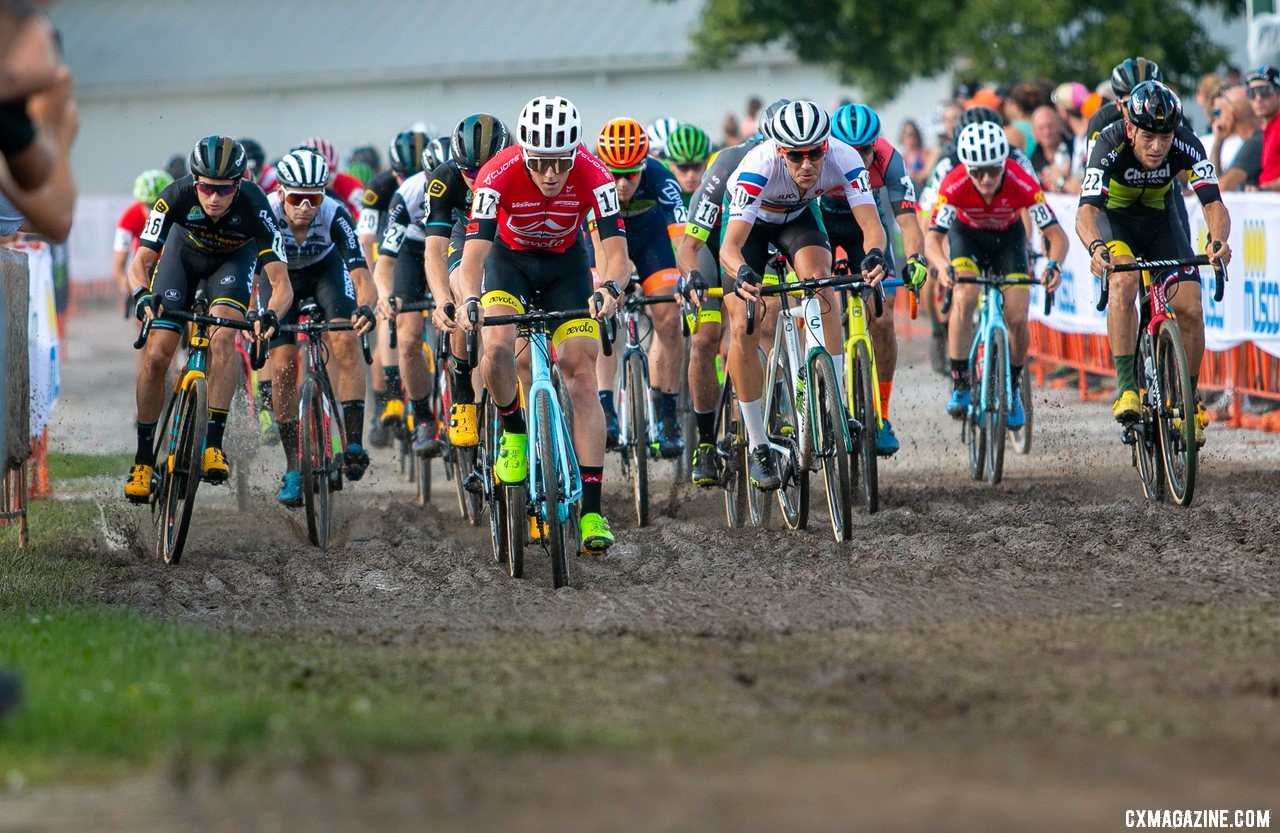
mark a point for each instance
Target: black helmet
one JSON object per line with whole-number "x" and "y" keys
{"x": 1153, "y": 106}
{"x": 218, "y": 157}
{"x": 257, "y": 156}
{"x": 1131, "y": 72}
{"x": 405, "y": 152}
{"x": 437, "y": 153}
{"x": 367, "y": 155}
{"x": 975, "y": 115}
{"x": 477, "y": 139}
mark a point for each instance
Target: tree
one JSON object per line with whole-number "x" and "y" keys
{"x": 879, "y": 47}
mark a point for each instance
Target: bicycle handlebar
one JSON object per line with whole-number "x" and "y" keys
{"x": 853, "y": 283}
{"x": 258, "y": 348}
{"x": 1219, "y": 273}
{"x": 315, "y": 327}
{"x": 404, "y": 306}
{"x": 539, "y": 318}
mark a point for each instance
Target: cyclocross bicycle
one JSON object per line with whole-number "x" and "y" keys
{"x": 553, "y": 487}
{"x": 434, "y": 347}
{"x": 984, "y": 427}
{"x": 1163, "y": 438}
{"x": 180, "y": 434}
{"x": 321, "y": 430}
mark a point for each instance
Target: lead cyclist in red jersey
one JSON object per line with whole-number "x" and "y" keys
{"x": 524, "y": 236}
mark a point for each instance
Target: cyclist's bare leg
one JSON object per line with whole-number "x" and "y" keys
{"x": 884, "y": 340}
{"x": 667, "y": 351}
{"x": 1122, "y": 320}
{"x": 1017, "y": 300}
{"x": 577, "y": 360}
{"x": 156, "y": 357}
{"x": 744, "y": 359}
{"x": 815, "y": 262}
{"x": 284, "y": 378}
{"x": 222, "y": 358}
{"x": 344, "y": 347}
{"x": 703, "y": 349}
{"x": 964, "y": 300}
{"x": 607, "y": 371}
{"x": 413, "y": 364}
{"x": 499, "y": 362}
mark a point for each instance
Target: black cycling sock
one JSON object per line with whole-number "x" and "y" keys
{"x": 513, "y": 417}
{"x": 463, "y": 392}
{"x": 353, "y": 420}
{"x": 145, "y": 455}
{"x": 1195, "y": 383}
{"x": 960, "y": 374}
{"x": 668, "y": 404}
{"x": 706, "y": 427}
{"x": 1015, "y": 376}
{"x": 289, "y": 440}
{"x": 606, "y": 402}
{"x": 217, "y": 425}
{"x": 592, "y": 479}
{"x": 391, "y": 378}
{"x": 422, "y": 410}
{"x": 264, "y": 395}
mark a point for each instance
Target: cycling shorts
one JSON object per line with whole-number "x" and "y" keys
{"x": 649, "y": 247}
{"x": 1155, "y": 235}
{"x": 183, "y": 265}
{"x": 973, "y": 250}
{"x": 410, "y": 276}
{"x": 327, "y": 281}
{"x": 549, "y": 281}
{"x": 790, "y": 237}
{"x": 844, "y": 231}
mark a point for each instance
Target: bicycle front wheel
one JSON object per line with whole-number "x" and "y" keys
{"x": 866, "y": 466}
{"x": 316, "y": 460}
{"x": 783, "y": 426}
{"x": 731, "y": 451}
{"x": 636, "y": 392}
{"x": 1177, "y": 416}
{"x": 183, "y": 464}
{"x": 551, "y": 496}
{"x": 996, "y": 407}
{"x": 974, "y": 426}
{"x": 830, "y": 445}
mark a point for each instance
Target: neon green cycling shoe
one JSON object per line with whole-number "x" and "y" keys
{"x": 596, "y": 535}
{"x": 512, "y": 465}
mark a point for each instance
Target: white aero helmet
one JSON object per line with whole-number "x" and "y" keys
{"x": 659, "y": 131}
{"x": 303, "y": 168}
{"x": 800, "y": 124}
{"x": 982, "y": 145}
{"x": 549, "y": 124}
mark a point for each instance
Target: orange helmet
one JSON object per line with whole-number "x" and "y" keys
{"x": 622, "y": 145}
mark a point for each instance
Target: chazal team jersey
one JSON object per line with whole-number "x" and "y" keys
{"x": 404, "y": 218}
{"x": 761, "y": 188}
{"x": 375, "y": 203}
{"x": 1116, "y": 180}
{"x": 508, "y": 205}
{"x": 707, "y": 202}
{"x": 448, "y": 201}
{"x": 960, "y": 203}
{"x": 331, "y": 228}
{"x": 249, "y": 221}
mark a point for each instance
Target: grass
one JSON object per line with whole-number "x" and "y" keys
{"x": 64, "y": 466}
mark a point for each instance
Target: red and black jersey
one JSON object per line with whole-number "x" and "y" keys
{"x": 960, "y": 202}
{"x": 508, "y": 204}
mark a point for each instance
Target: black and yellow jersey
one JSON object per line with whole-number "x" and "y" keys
{"x": 1114, "y": 179}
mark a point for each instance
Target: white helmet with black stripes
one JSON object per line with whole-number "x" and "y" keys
{"x": 303, "y": 168}
{"x": 800, "y": 124}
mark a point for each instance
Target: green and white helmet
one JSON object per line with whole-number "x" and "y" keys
{"x": 149, "y": 184}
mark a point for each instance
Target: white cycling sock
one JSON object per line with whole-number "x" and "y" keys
{"x": 753, "y": 418}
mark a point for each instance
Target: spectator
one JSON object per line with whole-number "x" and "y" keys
{"x": 1023, "y": 100}
{"x": 1232, "y": 75}
{"x": 1258, "y": 159}
{"x": 731, "y": 134}
{"x": 1233, "y": 123}
{"x": 1206, "y": 90}
{"x": 944, "y": 132}
{"x": 1070, "y": 99}
{"x": 1052, "y": 156}
{"x": 911, "y": 146}
{"x": 751, "y": 123}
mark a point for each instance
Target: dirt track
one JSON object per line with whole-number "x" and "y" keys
{"x": 1067, "y": 533}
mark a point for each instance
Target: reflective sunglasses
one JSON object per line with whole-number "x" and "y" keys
{"x": 1262, "y": 92}
{"x": 469, "y": 173}
{"x": 627, "y": 175}
{"x": 311, "y": 198}
{"x": 992, "y": 172}
{"x": 555, "y": 164}
{"x": 690, "y": 167}
{"x": 812, "y": 154}
{"x": 221, "y": 190}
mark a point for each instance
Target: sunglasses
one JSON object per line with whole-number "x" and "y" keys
{"x": 470, "y": 173}
{"x": 986, "y": 173}
{"x": 312, "y": 199}
{"x": 555, "y": 164}
{"x": 1262, "y": 92}
{"x": 627, "y": 175}
{"x": 690, "y": 167}
{"x": 814, "y": 154}
{"x": 865, "y": 150}
{"x": 221, "y": 190}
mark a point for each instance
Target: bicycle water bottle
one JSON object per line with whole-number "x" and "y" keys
{"x": 800, "y": 391}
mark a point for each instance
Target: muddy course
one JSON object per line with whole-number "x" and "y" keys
{"x": 1041, "y": 654}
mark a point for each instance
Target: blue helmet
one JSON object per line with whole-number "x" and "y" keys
{"x": 855, "y": 124}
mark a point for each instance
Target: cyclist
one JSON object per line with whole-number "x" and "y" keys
{"x": 476, "y": 140}
{"x": 399, "y": 271}
{"x": 658, "y": 132}
{"x": 978, "y": 214}
{"x": 325, "y": 263}
{"x": 256, "y": 169}
{"x": 859, "y": 126}
{"x": 146, "y": 190}
{"x": 1123, "y": 211}
{"x": 698, "y": 257}
{"x": 771, "y": 202}
{"x": 224, "y": 229}
{"x": 342, "y": 185}
{"x": 1126, "y": 75}
{"x": 688, "y": 148}
{"x": 405, "y": 154}
{"x": 524, "y": 236}
{"x": 654, "y": 214}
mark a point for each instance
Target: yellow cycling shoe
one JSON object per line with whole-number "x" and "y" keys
{"x": 1128, "y": 407}
{"x": 138, "y": 487}
{"x": 512, "y": 465}
{"x": 216, "y": 467}
{"x": 1202, "y": 422}
{"x": 464, "y": 430}
{"x": 537, "y": 529}
{"x": 392, "y": 412}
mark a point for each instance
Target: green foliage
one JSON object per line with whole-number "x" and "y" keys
{"x": 880, "y": 48}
